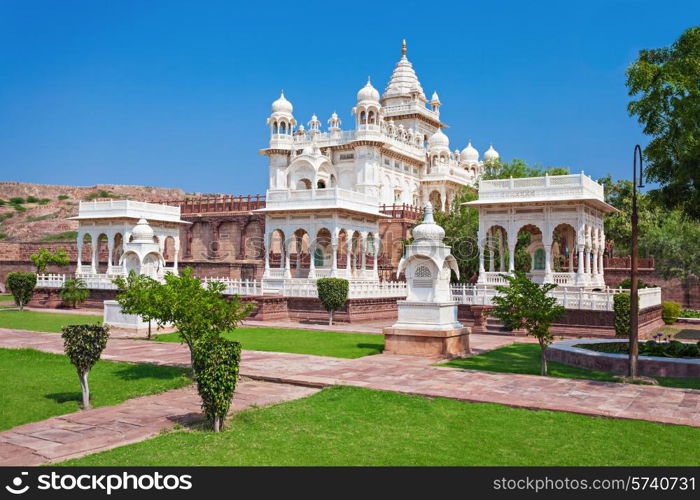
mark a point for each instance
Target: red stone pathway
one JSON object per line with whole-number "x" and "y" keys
{"x": 411, "y": 375}
{"x": 84, "y": 432}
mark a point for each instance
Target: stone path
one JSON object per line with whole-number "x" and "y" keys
{"x": 412, "y": 375}
{"x": 85, "y": 432}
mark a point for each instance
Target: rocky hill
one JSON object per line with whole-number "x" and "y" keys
{"x": 39, "y": 212}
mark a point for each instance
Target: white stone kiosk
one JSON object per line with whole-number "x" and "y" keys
{"x": 427, "y": 324}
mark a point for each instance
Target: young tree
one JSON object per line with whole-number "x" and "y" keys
{"x": 44, "y": 257}
{"x": 196, "y": 311}
{"x": 524, "y": 304}
{"x": 665, "y": 83}
{"x": 333, "y": 293}
{"x": 74, "y": 292}
{"x": 83, "y": 344}
{"x": 21, "y": 286}
{"x": 140, "y": 295}
{"x": 216, "y": 362}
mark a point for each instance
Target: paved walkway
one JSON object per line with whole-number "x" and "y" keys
{"x": 412, "y": 375}
{"x": 81, "y": 433}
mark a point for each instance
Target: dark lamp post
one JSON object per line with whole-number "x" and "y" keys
{"x": 634, "y": 292}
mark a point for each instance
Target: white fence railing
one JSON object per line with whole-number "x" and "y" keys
{"x": 569, "y": 297}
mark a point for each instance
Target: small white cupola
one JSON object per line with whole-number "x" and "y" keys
{"x": 470, "y": 154}
{"x": 491, "y": 154}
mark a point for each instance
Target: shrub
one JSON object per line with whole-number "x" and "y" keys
{"x": 32, "y": 199}
{"x": 44, "y": 257}
{"x": 19, "y": 208}
{"x": 669, "y": 349}
{"x": 21, "y": 286}
{"x": 63, "y": 197}
{"x": 671, "y": 312}
{"x": 3, "y": 236}
{"x": 627, "y": 284}
{"x": 16, "y": 200}
{"x": 2, "y": 202}
{"x": 4, "y": 217}
{"x": 621, "y": 313}
{"x": 43, "y": 201}
{"x": 689, "y": 313}
{"x": 333, "y": 293}
{"x": 216, "y": 361}
{"x": 74, "y": 292}
{"x": 83, "y": 344}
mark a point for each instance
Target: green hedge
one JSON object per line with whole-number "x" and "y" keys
{"x": 621, "y": 308}
{"x": 216, "y": 361}
{"x": 671, "y": 312}
{"x": 669, "y": 349}
{"x": 21, "y": 286}
{"x": 333, "y": 293}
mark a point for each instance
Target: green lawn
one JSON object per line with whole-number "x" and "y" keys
{"x": 36, "y": 385}
{"x": 525, "y": 358}
{"x": 6, "y": 301}
{"x": 43, "y": 321}
{"x": 352, "y": 426}
{"x": 320, "y": 343}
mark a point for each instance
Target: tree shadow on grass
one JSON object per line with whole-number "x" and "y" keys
{"x": 377, "y": 348}
{"x": 65, "y": 397}
{"x": 141, "y": 371}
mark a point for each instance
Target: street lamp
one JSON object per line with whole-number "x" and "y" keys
{"x": 634, "y": 293}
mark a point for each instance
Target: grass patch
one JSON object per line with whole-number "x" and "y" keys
{"x": 65, "y": 236}
{"x": 36, "y": 385}
{"x": 351, "y": 426}
{"x": 41, "y": 217}
{"x": 43, "y": 321}
{"x": 525, "y": 358}
{"x": 320, "y": 343}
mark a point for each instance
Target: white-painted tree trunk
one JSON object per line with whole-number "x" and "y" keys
{"x": 86, "y": 390}
{"x": 217, "y": 424}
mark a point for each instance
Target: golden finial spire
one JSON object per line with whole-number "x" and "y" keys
{"x": 403, "y": 47}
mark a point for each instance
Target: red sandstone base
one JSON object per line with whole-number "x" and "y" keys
{"x": 453, "y": 343}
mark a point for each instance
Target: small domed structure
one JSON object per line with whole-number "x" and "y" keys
{"x": 428, "y": 229}
{"x": 491, "y": 154}
{"x": 439, "y": 141}
{"x": 470, "y": 154}
{"x": 142, "y": 232}
{"x": 282, "y": 105}
{"x": 368, "y": 93}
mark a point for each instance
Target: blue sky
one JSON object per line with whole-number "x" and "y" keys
{"x": 176, "y": 94}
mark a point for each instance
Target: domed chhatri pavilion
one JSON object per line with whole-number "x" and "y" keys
{"x": 326, "y": 187}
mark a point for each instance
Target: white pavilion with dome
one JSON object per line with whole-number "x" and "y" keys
{"x": 325, "y": 188}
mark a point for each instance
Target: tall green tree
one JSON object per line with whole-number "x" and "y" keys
{"x": 673, "y": 241}
{"x": 665, "y": 86}
{"x": 517, "y": 168}
{"x": 461, "y": 226}
{"x": 524, "y": 304}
